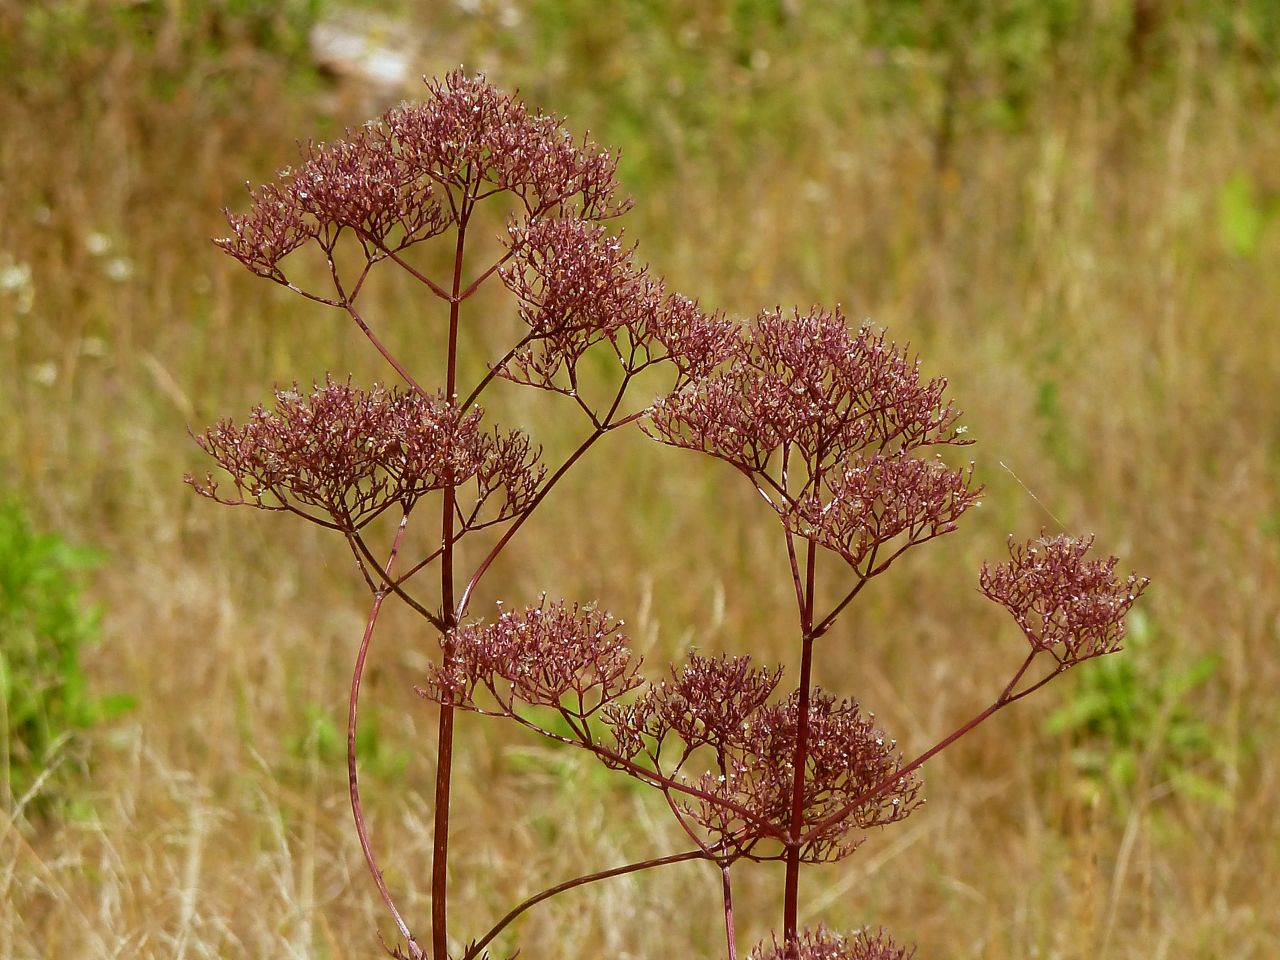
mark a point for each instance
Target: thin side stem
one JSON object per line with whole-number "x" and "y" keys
{"x": 413, "y": 271}
{"x": 493, "y": 372}
{"x": 357, "y": 809}
{"x": 644, "y": 774}
{"x": 393, "y": 585}
{"x": 386, "y": 354}
{"x": 603, "y": 427}
{"x": 559, "y": 888}
{"x": 1004, "y": 700}
{"x": 476, "y": 283}
{"x": 511, "y": 531}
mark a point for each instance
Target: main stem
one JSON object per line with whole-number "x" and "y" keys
{"x": 444, "y": 744}
{"x": 727, "y": 890}
{"x": 791, "y": 884}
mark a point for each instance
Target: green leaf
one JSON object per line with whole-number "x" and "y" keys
{"x": 1241, "y": 218}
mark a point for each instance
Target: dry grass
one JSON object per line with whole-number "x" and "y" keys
{"x": 1067, "y": 270}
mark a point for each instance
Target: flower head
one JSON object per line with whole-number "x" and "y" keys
{"x": 565, "y": 656}
{"x": 872, "y": 501}
{"x": 346, "y": 452}
{"x": 718, "y": 710}
{"x": 804, "y": 381}
{"x": 407, "y": 177}
{"x": 828, "y": 423}
{"x": 467, "y": 130}
{"x": 1065, "y": 604}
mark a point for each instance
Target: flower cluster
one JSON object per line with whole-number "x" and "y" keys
{"x": 569, "y": 657}
{"x": 824, "y": 420}
{"x": 467, "y": 131}
{"x": 414, "y": 173}
{"x": 508, "y": 479}
{"x": 805, "y": 385}
{"x": 579, "y": 286}
{"x": 823, "y": 944}
{"x": 874, "y": 500}
{"x": 348, "y": 454}
{"x": 1069, "y": 606}
{"x": 718, "y": 710}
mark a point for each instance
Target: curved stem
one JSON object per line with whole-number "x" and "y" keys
{"x": 550, "y": 892}
{"x": 357, "y": 809}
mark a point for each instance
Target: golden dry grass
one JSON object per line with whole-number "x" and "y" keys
{"x": 1067, "y": 270}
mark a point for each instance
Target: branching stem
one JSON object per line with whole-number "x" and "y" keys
{"x": 475, "y": 950}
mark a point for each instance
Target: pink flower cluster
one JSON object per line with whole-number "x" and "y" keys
{"x": 564, "y": 656}
{"x": 413, "y": 173}
{"x": 1068, "y": 606}
{"x": 717, "y": 713}
{"x": 579, "y": 286}
{"x": 343, "y": 455}
{"x": 828, "y": 423}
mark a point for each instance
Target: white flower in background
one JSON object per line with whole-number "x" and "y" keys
{"x": 97, "y": 243}
{"x": 119, "y": 269}
{"x": 16, "y": 281}
{"x": 45, "y": 374}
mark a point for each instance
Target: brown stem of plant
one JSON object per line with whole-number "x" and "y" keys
{"x": 394, "y": 585}
{"x": 604, "y": 426}
{"x": 559, "y": 888}
{"x": 478, "y": 281}
{"x": 382, "y": 349}
{"x": 444, "y": 742}
{"x": 411, "y": 270}
{"x": 727, "y": 889}
{"x": 493, "y": 372}
{"x": 791, "y": 883}
{"x": 357, "y": 809}
{"x": 652, "y": 777}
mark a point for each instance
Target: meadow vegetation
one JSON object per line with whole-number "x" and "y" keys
{"x": 1068, "y": 208}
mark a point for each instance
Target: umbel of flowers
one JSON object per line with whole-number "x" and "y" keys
{"x": 835, "y": 427}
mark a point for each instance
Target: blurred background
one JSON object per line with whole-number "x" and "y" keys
{"x": 1069, "y": 208}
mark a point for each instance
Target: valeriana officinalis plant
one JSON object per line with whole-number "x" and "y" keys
{"x": 833, "y": 425}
